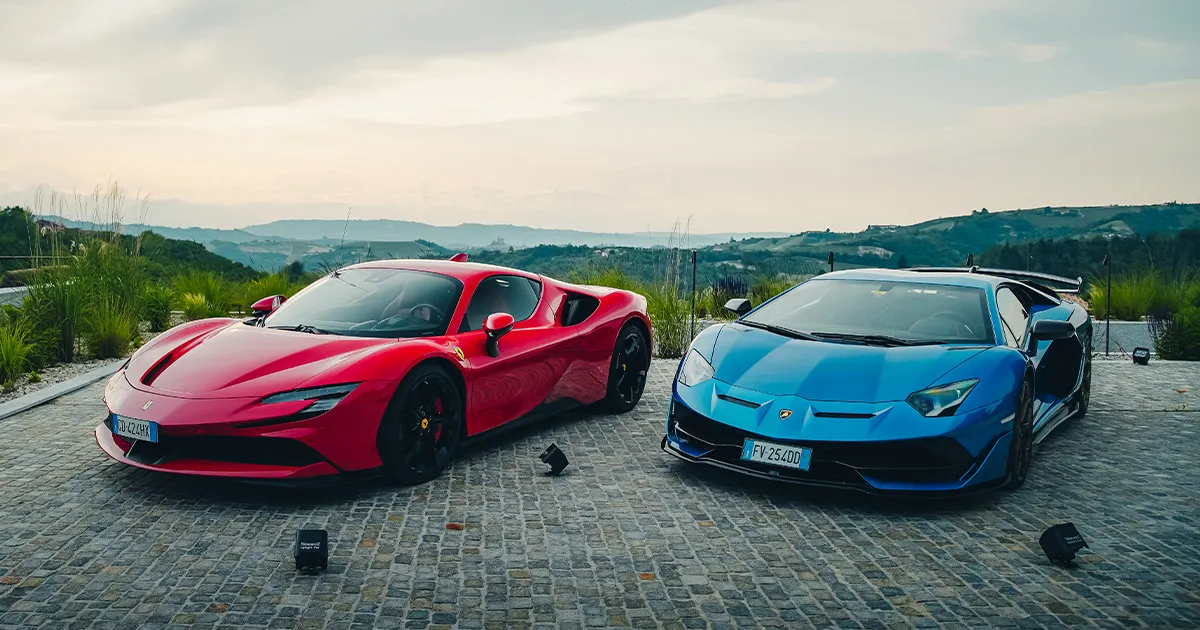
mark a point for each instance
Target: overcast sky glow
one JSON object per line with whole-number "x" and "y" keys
{"x": 605, "y": 115}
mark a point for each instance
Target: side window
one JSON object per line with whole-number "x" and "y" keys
{"x": 1014, "y": 317}
{"x": 514, "y": 295}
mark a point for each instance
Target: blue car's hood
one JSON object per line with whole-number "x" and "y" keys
{"x": 769, "y": 363}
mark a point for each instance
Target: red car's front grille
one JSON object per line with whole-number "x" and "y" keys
{"x": 232, "y": 449}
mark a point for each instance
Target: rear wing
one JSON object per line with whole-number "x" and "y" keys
{"x": 1042, "y": 281}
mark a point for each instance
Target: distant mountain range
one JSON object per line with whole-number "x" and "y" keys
{"x": 466, "y": 236}
{"x": 947, "y": 241}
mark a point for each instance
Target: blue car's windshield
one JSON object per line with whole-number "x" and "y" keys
{"x": 368, "y": 302}
{"x": 904, "y": 311}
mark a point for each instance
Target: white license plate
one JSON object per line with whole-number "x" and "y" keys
{"x": 795, "y": 457}
{"x": 135, "y": 429}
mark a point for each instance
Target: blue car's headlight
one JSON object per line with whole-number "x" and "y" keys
{"x": 695, "y": 369}
{"x": 942, "y": 400}
{"x": 324, "y": 398}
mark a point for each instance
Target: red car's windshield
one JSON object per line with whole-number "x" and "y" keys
{"x": 372, "y": 303}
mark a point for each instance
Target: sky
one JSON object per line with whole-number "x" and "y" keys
{"x": 603, "y": 115}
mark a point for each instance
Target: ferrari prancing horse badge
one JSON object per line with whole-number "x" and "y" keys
{"x": 459, "y": 352}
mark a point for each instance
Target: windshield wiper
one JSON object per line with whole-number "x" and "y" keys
{"x": 881, "y": 340}
{"x": 780, "y": 330}
{"x": 306, "y": 328}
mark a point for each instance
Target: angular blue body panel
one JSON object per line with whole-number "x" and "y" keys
{"x": 847, "y": 403}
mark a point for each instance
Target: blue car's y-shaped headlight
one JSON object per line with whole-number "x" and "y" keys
{"x": 942, "y": 400}
{"x": 695, "y": 369}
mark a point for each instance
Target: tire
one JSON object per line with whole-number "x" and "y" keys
{"x": 422, "y": 426}
{"x": 627, "y": 370}
{"x": 1085, "y": 390}
{"x": 1020, "y": 450}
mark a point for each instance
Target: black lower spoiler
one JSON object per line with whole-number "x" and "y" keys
{"x": 1043, "y": 281}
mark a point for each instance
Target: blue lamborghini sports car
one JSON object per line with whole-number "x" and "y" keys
{"x": 928, "y": 380}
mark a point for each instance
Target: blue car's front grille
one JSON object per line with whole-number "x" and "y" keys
{"x": 931, "y": 460}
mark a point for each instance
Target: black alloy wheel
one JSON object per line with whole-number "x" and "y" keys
{"x": 627, "y": 373}
{"x": 1020, "y": 451}
{"x": 422, "y": 426}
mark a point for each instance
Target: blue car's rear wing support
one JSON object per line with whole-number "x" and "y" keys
{"x": 1042, "y": 281}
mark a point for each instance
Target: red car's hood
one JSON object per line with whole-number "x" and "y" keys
{"x": 237, "y": 360}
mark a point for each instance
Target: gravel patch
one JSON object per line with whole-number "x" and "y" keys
{"x": 64, "y": 372}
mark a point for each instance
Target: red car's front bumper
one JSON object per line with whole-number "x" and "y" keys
{"x": 243, "y": 438}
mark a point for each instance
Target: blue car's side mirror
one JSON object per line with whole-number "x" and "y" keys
{"x": 739, "y": 306}
{"x": 1048, "y": 330}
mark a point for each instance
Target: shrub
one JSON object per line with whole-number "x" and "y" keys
{"x": 255, "y": 290}
{"x": 763, "y": 289}
{"x": 1137, "y": 294}
{"x": 112, "y": 327}
{"x": 156, "y": 306}
{"x": 1177, "y": 336}
{"x": 15, "y": 350}
{"x": 606, "y": 277}
{"x": 56, "y": 303}
{"x": 196, "y": 306}
{"x": 214, "y": 290}
{"x": 670, "y": 315}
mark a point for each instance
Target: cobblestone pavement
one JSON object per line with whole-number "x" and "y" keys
{"x": 626, "y": 537}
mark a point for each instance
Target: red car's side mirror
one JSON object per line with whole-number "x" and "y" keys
{"x": 496, "y": 326}
{"x": 267, "y": 305}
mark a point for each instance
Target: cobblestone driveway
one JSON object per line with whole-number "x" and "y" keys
{"x": 627, "y": 537}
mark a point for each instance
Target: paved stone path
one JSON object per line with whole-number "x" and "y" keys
{"x": 626, "y": 537}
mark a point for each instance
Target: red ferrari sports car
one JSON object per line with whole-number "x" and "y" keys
{"x": 381, "y": 366}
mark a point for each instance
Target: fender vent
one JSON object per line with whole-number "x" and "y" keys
{"x": 157, "y": 369}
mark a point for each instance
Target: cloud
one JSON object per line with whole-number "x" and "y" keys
{"x": 1038, "y": 53}
{"x": 1151, "y": 47}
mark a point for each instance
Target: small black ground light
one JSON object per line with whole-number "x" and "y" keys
{"x": 555, "y": 458}
{"x": 1141, "y": 356}
{"x": 1061, "y": 542}
{"x": 312, "y": 550}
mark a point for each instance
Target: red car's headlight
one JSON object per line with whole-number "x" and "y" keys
{"x": 323, "y": 398}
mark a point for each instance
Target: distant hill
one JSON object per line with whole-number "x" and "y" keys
{"x": 194, "y": 234}
{"x": 469, "y": 235}
{"x": 949, "y": 240}
{"x": 270, "y": 255}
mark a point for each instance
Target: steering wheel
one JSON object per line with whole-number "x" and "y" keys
{"x": 960, "y": 322}
{"x": 436, "y": 316}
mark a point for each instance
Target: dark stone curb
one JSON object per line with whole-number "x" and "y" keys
{"x": 47, "y": 394}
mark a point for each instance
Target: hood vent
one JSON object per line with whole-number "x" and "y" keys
{"x": 739, "y": 401}
{"x": 157, "y": 369}
{"x": 837, "y": 414}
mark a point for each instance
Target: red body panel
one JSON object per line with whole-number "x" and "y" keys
{"x": 207, "y": 379}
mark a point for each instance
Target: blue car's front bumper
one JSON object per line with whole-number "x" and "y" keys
{"x": 872, "y": 447}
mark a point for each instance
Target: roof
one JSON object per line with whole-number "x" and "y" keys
{"x": 460, "y": 270}
{"x": 978, "y": 281}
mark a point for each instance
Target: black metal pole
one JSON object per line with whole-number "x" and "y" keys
{"x": 693, "y": 294}
{"x": 830, "y": 262}
{"x": 1108, "y": 305}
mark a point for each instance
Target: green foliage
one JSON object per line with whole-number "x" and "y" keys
{"x": 15, "y": 352}
{"x": 670, "y": 315}
{"x": 196, "y": 306}
{"x": 204, "y": 293}
{"x": 267, "y": 286}
{"x": 605, "y": 277}
{"x": 763, "y": 289}
{"x": 1177, "y": 336}
{"x": 57, "y": 303}
{"x": 112, "y": 327}
{"x": 1145, "y": 292}
{"x": 156, "y": 306}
